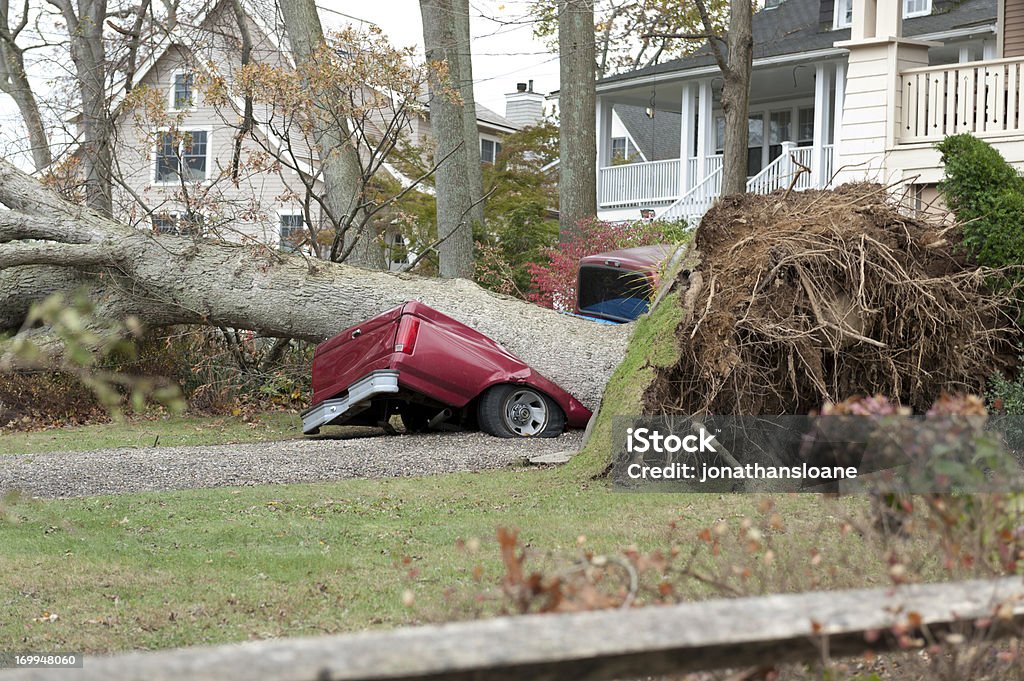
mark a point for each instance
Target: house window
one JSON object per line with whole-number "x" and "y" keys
{"x": 619, "y": 148}
{"x": 181, "y": 95}
{"x": 805, "y": 127}
{"x": 916, "y": 8}
{"x": 779, "y": 130}
{"x": 843, "y": 14}
{"x": 755, "y": 141}
{"x": 399, "y": 251}
{"x": 911, "y": 8}
{"x": 293, "y": 233}
{"x": 165, "y": 223}
{"x": 181, "y": 150}
{"x": 489, "y": 150}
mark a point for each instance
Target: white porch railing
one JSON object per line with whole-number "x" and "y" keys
{"x": 656, "y": 182}
{"x": 982, "y": 98}
{"x": 776, "y": 175}
{"x": 692, "y": 205}
{"x": 779, "y": 173}
{"x": 634, "y": 183}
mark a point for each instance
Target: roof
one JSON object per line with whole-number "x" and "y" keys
{"x": 485, "y": 115}
{"x": 658, "y": 137}
{"x": 798, "y": 26}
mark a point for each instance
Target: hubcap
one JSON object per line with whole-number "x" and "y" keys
{"x": 526, "y": 413}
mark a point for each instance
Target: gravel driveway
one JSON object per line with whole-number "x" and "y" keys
{"x": 120, "y": 471}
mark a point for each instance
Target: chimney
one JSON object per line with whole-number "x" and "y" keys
{"x": 524, "y": 106}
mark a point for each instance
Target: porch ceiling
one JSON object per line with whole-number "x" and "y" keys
{"x": 780, "y": 83}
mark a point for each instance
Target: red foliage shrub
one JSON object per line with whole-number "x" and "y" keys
{"x": 553, "y": 282}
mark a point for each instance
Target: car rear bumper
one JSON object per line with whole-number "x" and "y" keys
{"x": 358, "y": 396}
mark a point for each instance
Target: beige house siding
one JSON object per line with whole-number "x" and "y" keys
{"x": 1013, "y": 28}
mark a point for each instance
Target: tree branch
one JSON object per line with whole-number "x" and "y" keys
{"x": 16, "y": 226}
{"x": 64, "y": 255}
{"x": 716, "y": 46}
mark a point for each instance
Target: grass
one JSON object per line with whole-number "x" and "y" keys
{"x": 166, "y": 432}
{"x": 205, "y": 566}
{"x": 652, "y": 345}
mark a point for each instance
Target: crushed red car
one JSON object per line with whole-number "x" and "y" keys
{"x": 618, "y": 286}
{"x": 430, "y": 369}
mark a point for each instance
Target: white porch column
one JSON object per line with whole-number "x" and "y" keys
{"x": 604, "y": 131}
{"x": 604, "y": 143}
{"x": 706, "y": 128}
{"x": 822, "y": 90}
{"x": 837, "y": 114}
{"x": 687, "y": 127}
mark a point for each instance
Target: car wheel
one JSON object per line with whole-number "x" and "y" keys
{"x": 519, "y": 411}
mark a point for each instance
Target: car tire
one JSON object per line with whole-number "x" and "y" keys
{"x": 519, "y": 411}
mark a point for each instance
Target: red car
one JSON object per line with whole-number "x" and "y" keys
{"x": 429, "y": 369}
{"x": 618, "y": 286}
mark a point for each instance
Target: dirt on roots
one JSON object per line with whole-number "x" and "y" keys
{"x": 818, "y": 296}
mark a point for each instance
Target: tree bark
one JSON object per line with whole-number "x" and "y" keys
{"x": 577, "y": 169}
{"x": 736, "y": 97}
{"x": 14, "y": 82}
{"x": 474, "y": 171}
{"x": 339, "y": 159}
{"x": 447, "y": 122}
{"x": 85, "y": 34}
{"x": 166, "y": 280}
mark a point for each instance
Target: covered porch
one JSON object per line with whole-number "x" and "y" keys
{"x": 660, "y": 142}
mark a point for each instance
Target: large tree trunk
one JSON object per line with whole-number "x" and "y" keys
{"x": 474, "y": 172}
{"x": 14, "y": 82}
{"x": 577, "y": 146}
{"x": 339, "y": 161}
{"x": 85, "y": 33}
{"x": 736, "y": 97}
{"x": 447, "y": 122}
{"x": 48, "y": 245}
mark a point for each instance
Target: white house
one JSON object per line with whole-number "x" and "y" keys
{"x": 164, "y": 173}
{"x": 852, "y": 89}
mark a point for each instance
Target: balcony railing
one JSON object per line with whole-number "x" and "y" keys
{"x": 635, "y": 183}
{"x": 983, "y": 98}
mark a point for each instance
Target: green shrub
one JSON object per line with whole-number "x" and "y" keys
{"x": 987, "y": 196}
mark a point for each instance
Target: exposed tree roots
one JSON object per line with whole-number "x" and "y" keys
{"x": 824, "y": 295}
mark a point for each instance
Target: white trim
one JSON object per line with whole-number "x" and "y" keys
{"x": 155, "y": 152}
{"x": 839, "y": 17}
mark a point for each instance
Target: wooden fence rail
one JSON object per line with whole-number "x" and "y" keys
{"x": 595, "y": 645}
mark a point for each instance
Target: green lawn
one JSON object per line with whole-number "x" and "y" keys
{"x": 203, "y": 566}
{"x": 164, "y": 432}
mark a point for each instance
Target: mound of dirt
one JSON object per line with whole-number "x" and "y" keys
{"x": 822, "y": 295}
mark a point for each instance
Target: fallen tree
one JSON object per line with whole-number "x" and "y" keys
{"x": 48, "y": 245}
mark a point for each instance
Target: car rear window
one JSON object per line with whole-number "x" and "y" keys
{"x": 613, "y": 293}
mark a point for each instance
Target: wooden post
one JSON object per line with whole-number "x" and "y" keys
{"x": 605, "y": 644}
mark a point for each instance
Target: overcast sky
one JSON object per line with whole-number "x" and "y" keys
{"x": 504, "y": 49}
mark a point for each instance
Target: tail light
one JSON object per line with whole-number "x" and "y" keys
{"x": 407, "y": 330}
